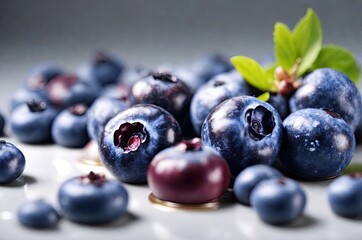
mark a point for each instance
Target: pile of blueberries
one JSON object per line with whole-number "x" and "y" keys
{"x": 187, "y": 131}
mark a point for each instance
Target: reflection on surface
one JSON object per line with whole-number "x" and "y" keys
{"x": 163, "y": 233}
{"x": 90, "y": 155}
{"x": 62, "y": 167}
{"x": 193, "y": 230}
{"x": 254, "y": 228}
{"x": 194, "y": 225}
{"x": 172, "y": 207}
{"x": 85, "y": 169}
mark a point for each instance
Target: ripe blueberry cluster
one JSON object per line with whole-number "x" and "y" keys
{"x": 276, "y": 199}
{"x": 186, "y": 135}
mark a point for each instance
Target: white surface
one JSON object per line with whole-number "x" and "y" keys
{"x": 48, "y": 166}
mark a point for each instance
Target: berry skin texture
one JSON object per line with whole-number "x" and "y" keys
{"x": 245, "y": 131}
{"x": 328, "y": 88}
{"x": 69, "y": 128}
{"x": 317, "y": 144}
{"x": 249, "y": 178}
{"x": 164, "y": 90}
{"x": 12, "y": 162}
{"x": 101, "y": 111}
{"x": 345, "y": 195}
{"x": 133, "y": 137}
{"x": 92, "y": 199}
{"x": 38, "y": 214}
{"x": 213, "y": 92}
{"x": 31, "y": 122}
{"x": 278, "y": 201}
{"x": 188, "y": 173}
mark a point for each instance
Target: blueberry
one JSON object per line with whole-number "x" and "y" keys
{"x": 188, "y": 173}
{"x": 210, "y": 66}
{"x": 345, "y": 195}
{"x": 188, "y": 77}
{"x": 249, "y": 178}
{"x": 133, "y": 137}
{"x": 213, "y": 92}
{"x": 278, "y": 201}
{"x": 164, "y": 90}
{"x": 41, "y": 76}
{"x": 245, "y": 131}
{"x": 120, "y": 91}
{"x": 130, "y": 75}
{"x": 67, "y": 90}
{"x": 31, "y": 122}
{"x": 101, "y": 111}
{"x": 38, "y": 214}
{"x": 69, "y": 128}
{"x": 12, "y": 162}
{"x": 24, "y": 95}
{"x": 328, "y": 88}
{"x": 280, "y": 103}
{"x": 2, "y": 124}
{"x": 92, "y": 199}
{"x": 317, "y": 144}
{"x": 103, "y": 69}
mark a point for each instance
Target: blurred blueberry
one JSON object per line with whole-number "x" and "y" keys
{"x": 41, "y": 76}
{"x": 103, "y": 69}
{"x": 345, "y": 195}
{"x": 31, "y": 122}
{"x": 68, "y": 90}
{"x": 130, "y": 75}
{"x": 211, "y": 65}
{"x": 69, "y": 128}
{"x": 38, "y": 214}
{"x": 24, "y": 95}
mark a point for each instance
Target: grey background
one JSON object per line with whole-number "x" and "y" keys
{"x": 155, "y": 32}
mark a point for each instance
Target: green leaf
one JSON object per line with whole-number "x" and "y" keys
{"x": 264, "y": 97}
{"x": 338, "y": 58}
{"x": 307, "y": 37}
{"x": 284, "y": 47}
{"x": 270, "y": 70}
{"x": 253, "y": 73}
